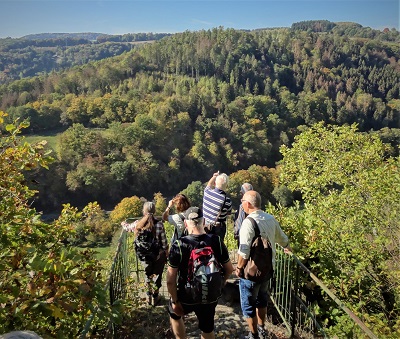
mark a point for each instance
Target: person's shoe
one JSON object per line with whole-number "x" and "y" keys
{"x": 156, "y": 299}
{"x": 262, "y": 333}
{"x": 251, "y": 336}
{"x": 149, "y": 298}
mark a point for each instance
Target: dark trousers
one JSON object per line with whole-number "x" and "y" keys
{"x": 219, "y": 230}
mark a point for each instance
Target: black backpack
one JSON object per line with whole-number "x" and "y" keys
{"x": 205, "y": 274}
{"x": 259, "y": 266}
{"x": 146, "y": 245}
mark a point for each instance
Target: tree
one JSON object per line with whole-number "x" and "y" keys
{"x": 160, "y": 203}
{"x": 47, "y": 286}
{"x": 127, "y": 208}
{"x": 194, "y": 192}
{"x": 351, "y": 191}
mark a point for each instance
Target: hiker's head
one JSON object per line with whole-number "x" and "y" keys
{"x": 194, "y": 218}
{"x": 251, "y": 201}
{"x": 181, "y": 202}
{"x": 221, "y": 181}
{"x": 245, "y": 188}
{"x": 149, "y": 207}
{"x": 147, "y": 222}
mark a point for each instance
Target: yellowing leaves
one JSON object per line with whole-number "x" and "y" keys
{"x": 56, "y": 311}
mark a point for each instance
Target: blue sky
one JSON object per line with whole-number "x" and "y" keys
{"x": 18, "y": 17}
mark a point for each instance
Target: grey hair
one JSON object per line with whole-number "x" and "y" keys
{"x": 254, "y": 199}
{"x": 221, "y": 181}
{"x": 149, "y": 207}
{"x": 195, "y": 223}
{"x": 246, "y": 187}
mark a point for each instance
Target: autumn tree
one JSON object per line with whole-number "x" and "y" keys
{"x": 351, "y": 191}
{"x": 47, "y": 286}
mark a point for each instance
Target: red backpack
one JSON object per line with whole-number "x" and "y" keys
{"x": 205, "y": 278}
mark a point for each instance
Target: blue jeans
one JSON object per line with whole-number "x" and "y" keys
{"x": 252, "y": 296}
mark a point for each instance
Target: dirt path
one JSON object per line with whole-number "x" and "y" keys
{"x": 229, "y": 321}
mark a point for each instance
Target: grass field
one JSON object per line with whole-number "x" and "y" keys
{"x": 52, "y": 140}
{"x": 106, "y": 252}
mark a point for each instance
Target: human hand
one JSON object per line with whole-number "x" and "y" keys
{"x": 239, "y": 272}
{"x": 288, "y": 250}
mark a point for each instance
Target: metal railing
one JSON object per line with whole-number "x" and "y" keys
{"x": 301, "y": 298}
{"x": 116, "y": 284}
{"x": 297, "y": 294}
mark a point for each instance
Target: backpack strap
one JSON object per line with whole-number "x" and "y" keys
{"x": 257, "y": 229}
{"x": 255, "y": 226}
{"x": 191, "y": 241}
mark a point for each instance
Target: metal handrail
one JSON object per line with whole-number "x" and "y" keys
{"x": 116, "y": 280}
{"x": 285, "y": 294}
{"x": 289, "y": 301}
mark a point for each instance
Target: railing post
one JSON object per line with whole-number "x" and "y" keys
{"x": 294, "y": 301}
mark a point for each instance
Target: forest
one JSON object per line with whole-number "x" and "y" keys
{"x": 197, "y": 101}
{"x": 309, "y": 114}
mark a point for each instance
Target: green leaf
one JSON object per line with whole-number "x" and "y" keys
{"x": 10, "y": 128}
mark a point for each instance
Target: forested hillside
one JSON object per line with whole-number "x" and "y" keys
{"x": 173, "y": 111}
{"x": 43, "y": 53}
{"x": 309, "y": 115}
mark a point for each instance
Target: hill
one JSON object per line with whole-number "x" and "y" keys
{"x": 46, "y": 36}
{"x": 174, "y": 110}
{"x": 47, "y": 52}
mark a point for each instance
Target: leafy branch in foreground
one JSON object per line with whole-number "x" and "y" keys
{"x": 45, "y": 285}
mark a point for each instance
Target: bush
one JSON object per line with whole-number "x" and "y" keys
{"x": 47, "y": 286}
{"x": 128, "y": 208}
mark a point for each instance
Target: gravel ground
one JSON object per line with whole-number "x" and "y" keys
{"x": 229, "y": 321}
{"x": 147, "y": 322}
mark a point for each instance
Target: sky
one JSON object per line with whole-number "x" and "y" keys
{"x": 23, "y": 17}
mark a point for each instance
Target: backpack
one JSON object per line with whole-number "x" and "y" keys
{"x": 259, "y": 265}
{"x": 205, "y": 278}
{"x": 146, "y": 246}
{"x": 184, "y": 232}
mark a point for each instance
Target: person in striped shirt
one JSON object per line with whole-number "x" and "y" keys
{"x": 216, "y": 204}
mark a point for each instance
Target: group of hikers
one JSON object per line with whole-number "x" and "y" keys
{"x": 198, "y": 260}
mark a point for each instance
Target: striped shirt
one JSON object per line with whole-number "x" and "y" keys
{"x": 213, "y": 199}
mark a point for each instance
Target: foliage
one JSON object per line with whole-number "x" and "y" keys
{"x": 160, "y": 203}
{"x": 166, "y": 114}
{"x": 350, "y": 222}
{"x": 46, "y": 285}
{"x": 91, "y": 225}
{"x": 194, "y": 192}
{"x": 128, "y": 208}
{"x": 283, "y": 195}
{"x": 261, "y": 178}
